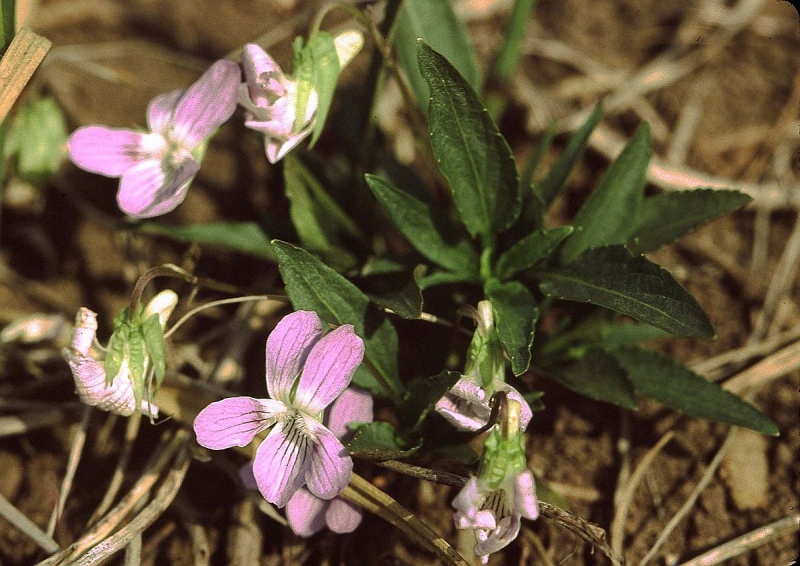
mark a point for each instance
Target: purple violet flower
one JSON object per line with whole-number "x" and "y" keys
{"x": 307, "y": 513}
{"x": 305, "y": 372}
{"x": 494, "y": 502}
{"x": 495, "y": 513}
{"x": 89, "y": 371}
{"x": 157, "y": 167}
{"x": 270, "y": 97}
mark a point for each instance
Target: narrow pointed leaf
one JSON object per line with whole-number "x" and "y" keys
{"x": 115, "y": 352}
{"x": 312, "y": 285}
{"x": 137, "y": 353}
{"x": 154, "y": 340}
{"x": 611, "y": 277}
{"x": 378, "y": 441}
{"x": 472, "y": 155}
{"x": 515, "y": 314}
{"x": 549, "y": 187}
{"x": 669, "y": 382}
{"x": 423, "y": 229}
{"x": 397, "y": 291}
{"x": 422, "y": 395}
{"x": 437, "y": 24}
{"x": 530, "y": 250}
{"x": 244, "y": 237}
{"x": 607, "y": 216}
{"x": 326, "y": 76}
{"x": 597, "y": 375}
{"x": 665, "y": 217}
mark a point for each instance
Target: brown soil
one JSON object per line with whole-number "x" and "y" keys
{"x": 66, "y": 254}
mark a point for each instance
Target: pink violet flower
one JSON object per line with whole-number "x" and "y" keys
{"x": 88, "y": 369}
{"x": 495, "y": 513}
{"x": 306, "y": 371}
{"x": 307, "y": 513}
{"x": 494, "y": 503}
{"x": 466, "y": 405}
{"x": 270, "y": 97}
{"x": 156, "y": 167}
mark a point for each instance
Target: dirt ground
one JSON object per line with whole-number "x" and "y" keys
{"x": 719, "y": 82}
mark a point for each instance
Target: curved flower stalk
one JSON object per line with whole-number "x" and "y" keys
{"x": 307, "y": 513}
{"x": 494, "y": 502}
{"x": 306, "y": 371}
{"x": 270, "y": 97}
{"x": 466, "y": 405}
{"x": 117, "y": 394}
{"x": 156, "y": 167}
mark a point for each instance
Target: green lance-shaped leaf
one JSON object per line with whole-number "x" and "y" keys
{"x": 669, "y": 382}
{"x": 117, "y": 347}
{"x": 470, "y": 152}
{"x": 244, "y": 237}
{"x": 137, "y": 356}
{"x": 421, "y": 398}
{"x": 326, "y": 76}
{"x": 530, "y": 250}
{"x": 611, "y": 277}
{"x": 397, "y": 291}
{"x": 36, "y": 137}
{"x": 515, "y": 314}
{"x": 312, "y": 285}
{"x": 607, "y": 216}
{"x": 597, "y": 375}
{"x": 437, "y": 25}
{"x": 153, "y": 335}
{"x": 552, "y": 183}
{"x": 379, "y": 441}
{"x": 423, "y": 228}
{"x": 665, "y": 217}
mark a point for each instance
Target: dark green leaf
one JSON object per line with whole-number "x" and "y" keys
{"x": 613, "y": 278}
{"x": 8, "y": 10}
{"x": 423, "y": 228}
{"x": 665, "y": 217}
{"x": 154, "y": 340}
{"x": 517, "y": 28}
{"x": 606, "y": 218}
{"x": 598, "y": 375}
{"x": 515, "y": 315}
{"x": 439, "y": 27}
{"x": 422, "y": 395}
{"x": 398, "y": 292}
{"x": 530, "y": 250}
{"x": 312, "y": 285}
{"x": 378, "y": 441}
{"x": 469, "y": 150}
{"x": 553, "y": 182}
{"x": 669, "y": 382}
{"x": 446, "y": 278}
{"x": 631, "y": 333}
{"x": 245, "y": 237}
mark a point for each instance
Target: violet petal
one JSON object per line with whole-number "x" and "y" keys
{"x": 328, "y": 369}
{"x": 353, "y": 405}
{"x": 342, "y": 516}
{"x": 331, "y": 464}
{"x": 288, "y": 346}
{"x": 282, "y": 460}
{"x": 525, "y": 503}
{"x": 235, "y": 421}
{"x": 306, "y": 513}
{"x": 150, "y": 189}
{"x": 107, "y": 151}
{"x": 207, "y": 104}
{"x": 160, "y": 110}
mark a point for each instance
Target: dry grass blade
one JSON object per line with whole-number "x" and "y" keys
{"x": 78, "y": 442}
{"x": 747, "y": 542}
{"x": 362, "y": 493}
{"x": 780, "y": 363}
{"x": 618, "y": 524}
{"x": 23, "y": 57}
{"x": 31, "y": 529}
{"x": 169, "y": 446}
{"x": 690, "y": 501}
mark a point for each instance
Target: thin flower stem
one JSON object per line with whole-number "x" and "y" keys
{"x": 330, "y": 6}
{"x": 212, "y": 304}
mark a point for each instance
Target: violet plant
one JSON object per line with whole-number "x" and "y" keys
{"x": 474, "y": 237}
